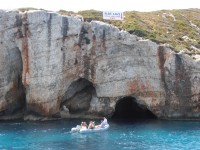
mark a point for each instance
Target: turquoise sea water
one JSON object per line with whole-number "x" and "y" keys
{"x": 139, "y": 135}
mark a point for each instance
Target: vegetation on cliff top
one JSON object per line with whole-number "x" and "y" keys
{"x": 178, "y": 28}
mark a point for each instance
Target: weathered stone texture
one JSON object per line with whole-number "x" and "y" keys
{"x": 181, "y": 83}
{"x": 84, "y": 67}
{"x": 11, "y": 89}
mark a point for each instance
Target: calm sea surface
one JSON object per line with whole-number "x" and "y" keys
{"x": 139, "y": 135}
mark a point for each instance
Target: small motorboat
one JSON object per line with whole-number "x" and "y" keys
{"x": 96, "y": 129}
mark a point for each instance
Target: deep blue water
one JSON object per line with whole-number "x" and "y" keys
{"x": 139, "y": 135}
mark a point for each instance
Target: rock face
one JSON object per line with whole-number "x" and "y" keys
{"x": 12, "y": 96}
{"x": 180, "y": 78}
{"x": 59, "y": 66}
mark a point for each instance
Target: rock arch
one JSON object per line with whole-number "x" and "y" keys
{"x": 128, "y": 108}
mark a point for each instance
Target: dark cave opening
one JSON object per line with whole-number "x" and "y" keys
{"x": 78, "y": 96}
{"x": 128, "y": 108}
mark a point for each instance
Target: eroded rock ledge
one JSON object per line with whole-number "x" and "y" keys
{"x": 54, "y": 66}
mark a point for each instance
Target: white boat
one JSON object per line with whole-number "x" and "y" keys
{"x": 77, "y": 129}
{"x": 94, "y": 130}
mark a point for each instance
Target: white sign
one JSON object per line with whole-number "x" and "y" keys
{"x": 113, "y": 15}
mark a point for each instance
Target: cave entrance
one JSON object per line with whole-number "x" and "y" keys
{"x": 78, "y": 96}
{"x": 128, "y": 108}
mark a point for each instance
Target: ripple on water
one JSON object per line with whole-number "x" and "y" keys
{"x": 151, "y": 135}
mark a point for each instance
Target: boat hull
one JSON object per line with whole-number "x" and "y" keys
{"x": 94, "y": 130}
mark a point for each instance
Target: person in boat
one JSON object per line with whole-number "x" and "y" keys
{"x": 83, "y": 125}
{"x": 103, "y": 123}
{"x": 91, "y": 125}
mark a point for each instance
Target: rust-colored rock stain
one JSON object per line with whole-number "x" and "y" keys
{"x": 25, "y": 49}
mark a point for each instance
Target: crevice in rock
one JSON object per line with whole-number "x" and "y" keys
{"x": 182, "y": 85}
{"x": 65, "y": 27}
{"x": 49, "y": 26}
{"x": 161, "y": 61}
{"x": 128, "y": 108}
{"x": 104, "y": 40}
{"x": 83, "y": 39}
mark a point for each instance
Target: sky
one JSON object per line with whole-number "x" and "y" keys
{"x": 102, "y": 5}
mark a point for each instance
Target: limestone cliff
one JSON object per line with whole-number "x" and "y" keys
{"x": 58, "y": 66}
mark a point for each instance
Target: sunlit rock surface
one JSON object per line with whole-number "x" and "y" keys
{"x": 12, "y": 96}
{"x": 73, "y": 69}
